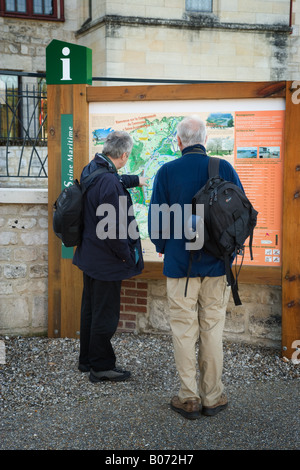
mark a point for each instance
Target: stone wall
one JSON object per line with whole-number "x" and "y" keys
{"x": 28, "y": 159}
{"x": 23, "y": 261}
{"x": 23, "y": 42}
{"x": 239, "y": 40}
{"x": 258, "y": 320}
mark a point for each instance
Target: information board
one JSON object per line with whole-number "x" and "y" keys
{"x": 247, "y": 133}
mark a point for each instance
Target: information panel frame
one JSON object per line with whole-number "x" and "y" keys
{"x": 203, "y": 91}
{"x": 232, "y": 126}
{"x": 75, "y": 99}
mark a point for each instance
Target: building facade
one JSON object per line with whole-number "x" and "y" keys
{"x": 232, "y": 40}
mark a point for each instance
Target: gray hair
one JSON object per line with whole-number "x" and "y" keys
{"x": 117, "y": 143}
{"x": 191, "y": 131}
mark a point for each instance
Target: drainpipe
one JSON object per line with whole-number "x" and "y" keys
{"x": 291, "y": 15}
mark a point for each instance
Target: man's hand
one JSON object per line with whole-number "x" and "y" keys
{"x": 143, "y": 181}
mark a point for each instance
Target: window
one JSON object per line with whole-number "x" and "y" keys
{"x": 33, "y": 9}
{"x": 43, "y": 7}
{"x": 23, "y": 111}
{"x": 15, "y": 5}
{"x": 204, "y": 6}
{"x": 9, "y": 108}
{"x": 42, "y": 110}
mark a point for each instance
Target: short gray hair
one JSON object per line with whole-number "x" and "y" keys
{"x": 191, "y": 131}
{"x": 117, "y": 143}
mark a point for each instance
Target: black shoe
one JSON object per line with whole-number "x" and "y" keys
{"x": 84, "y": 367}
{"x": 113, "y": 375}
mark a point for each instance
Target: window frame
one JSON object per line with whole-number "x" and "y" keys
{"x": 58, "y": 8}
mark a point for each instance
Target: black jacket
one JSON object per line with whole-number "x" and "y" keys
{"x": 114, "y": 257}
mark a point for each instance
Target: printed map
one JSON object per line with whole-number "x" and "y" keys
{"x": 155, "y": 143}
{"x": 252, "y": 141}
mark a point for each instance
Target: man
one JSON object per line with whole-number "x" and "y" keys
{"x": 200, "y": 315}
{"x": 110, "y": 252}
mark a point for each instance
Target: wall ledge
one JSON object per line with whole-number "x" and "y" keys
{"x": 23, "y": 196}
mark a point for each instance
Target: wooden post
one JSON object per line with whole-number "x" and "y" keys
{"x": 64, "y": 279}
{"x": 291, "y": 228}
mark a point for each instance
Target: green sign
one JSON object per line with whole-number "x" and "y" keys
{"x": 67, "y": 165}
{"x": 68, "y": 63}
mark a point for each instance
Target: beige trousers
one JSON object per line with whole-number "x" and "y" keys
{"x": 198, "y": 316}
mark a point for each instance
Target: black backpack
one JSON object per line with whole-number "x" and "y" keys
{"x": 229, "y": 219}
{"x": 68, "y": 210}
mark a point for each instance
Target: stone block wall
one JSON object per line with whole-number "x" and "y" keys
{"x": 257, "y": 321}
{"x": 23, "y": 42}
{"x": 23, "y": 265}
{"x": 25, "y": 157}
{"x": 238, "y": 41}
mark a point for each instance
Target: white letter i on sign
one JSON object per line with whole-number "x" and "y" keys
{"x": 66, "y": 65}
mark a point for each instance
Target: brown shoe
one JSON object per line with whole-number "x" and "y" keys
{"x": 189, "y": 409}
{"x": 219, "y": 406}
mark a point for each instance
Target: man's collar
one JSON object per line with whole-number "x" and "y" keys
{"x": 106, "y": 159}
{"x": 198, "y": 148}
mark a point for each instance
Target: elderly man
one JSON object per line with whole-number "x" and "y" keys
{"x": 200, "y": 315}
{"x": 110, "y": 252}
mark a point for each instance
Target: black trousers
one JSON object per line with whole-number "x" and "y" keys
{"x": 100, "y": 313}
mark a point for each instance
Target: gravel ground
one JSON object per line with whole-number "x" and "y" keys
{"x": 47, "y": 404}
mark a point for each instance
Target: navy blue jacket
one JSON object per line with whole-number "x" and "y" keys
{"x": 176, "y": 182}
{"x": 108, "y": 259}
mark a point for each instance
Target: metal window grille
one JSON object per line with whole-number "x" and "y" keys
{"x": 23, "y": 126}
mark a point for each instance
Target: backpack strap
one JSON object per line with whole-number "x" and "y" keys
{"x": 213, "y": 170}
{"x": 213, "y": 167}
{"x": 88, "y": 179}
{"x": 231, "y": 281}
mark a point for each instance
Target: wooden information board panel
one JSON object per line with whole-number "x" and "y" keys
{"x": 65, "y": 279}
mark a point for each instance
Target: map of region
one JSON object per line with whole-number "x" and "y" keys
{"x": 249, "y": 138}
{"x": 155, "y": 143}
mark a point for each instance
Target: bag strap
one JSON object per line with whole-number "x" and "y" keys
{"x": 85, "y": 182}
{"x": 213, "y": 170}
{"x": 213, "y": 167}
{"x": 231, "y": 281}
